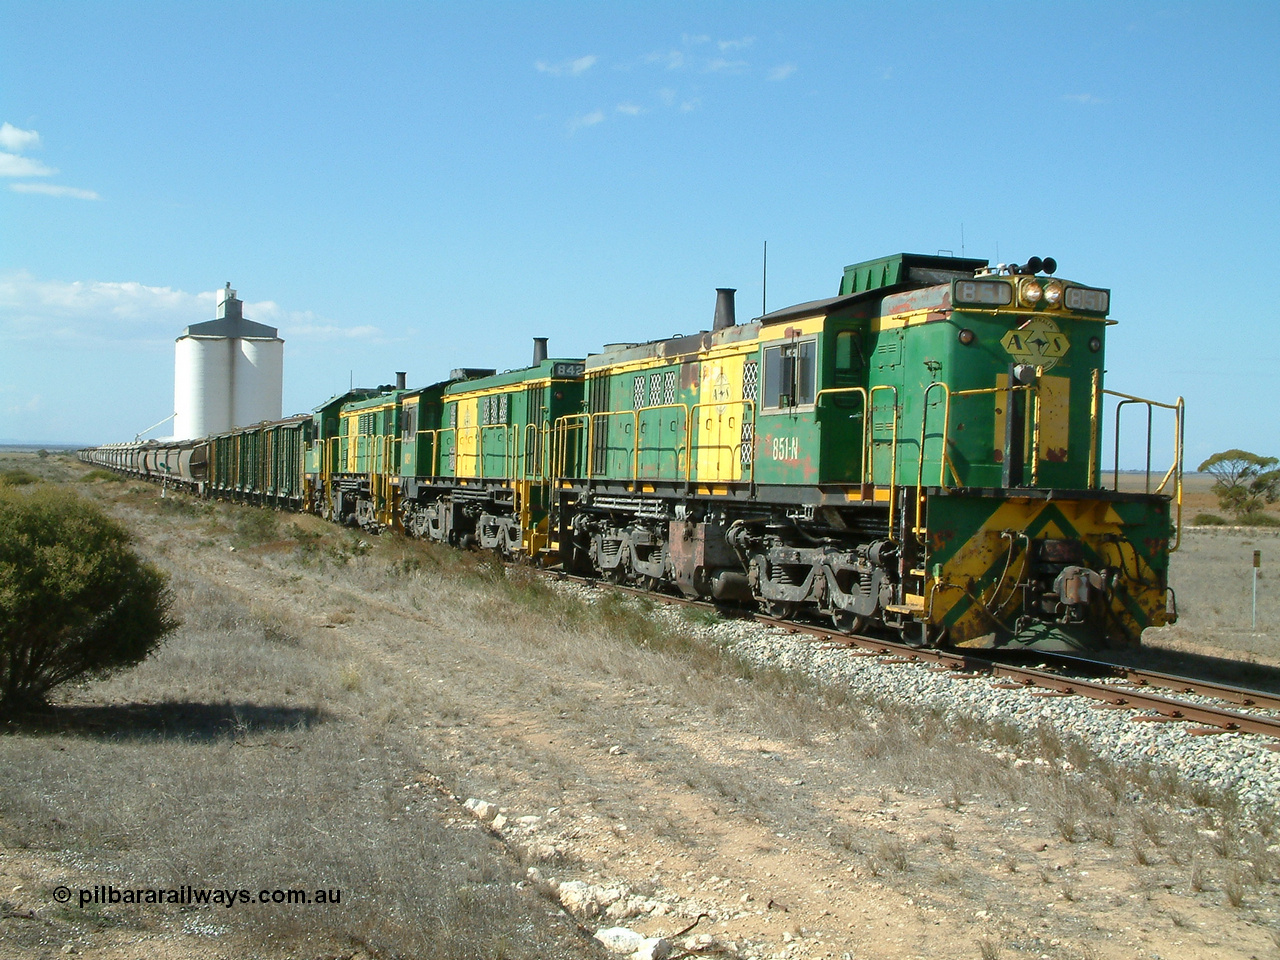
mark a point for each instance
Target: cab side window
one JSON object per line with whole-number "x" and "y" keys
{"x": 790, "y": 373}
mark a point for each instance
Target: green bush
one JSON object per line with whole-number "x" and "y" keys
{"x": 75, "y": 600}
{"x": 17, "y": 477}
{"x": 1256, "y": 518}
{"x": 255, "y": 526}
{"x": 1208, "y": 520}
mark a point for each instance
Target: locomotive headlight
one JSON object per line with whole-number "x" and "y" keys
{"x": 967, "y": 336}
{"x": 1053, "y": 292}
{"x": 1095, "y": 344}
{"x": 1030, "y": 292}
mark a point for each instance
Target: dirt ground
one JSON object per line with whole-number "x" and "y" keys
{"x": 795, "y": 830}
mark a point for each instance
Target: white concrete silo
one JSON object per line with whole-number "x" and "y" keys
{"x": 258, "y": 380}
{"x": 228, "y": 372}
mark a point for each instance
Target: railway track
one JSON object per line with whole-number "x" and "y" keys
{"x": 1127, "y": 688}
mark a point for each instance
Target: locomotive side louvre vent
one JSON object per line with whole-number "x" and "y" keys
{"x": 748, "y": 441}
{"x": 888, "y": 353}
{"x": 669, "y": 387}
{"x": 640, "y": 391}
{"x": 453, "y": 417}
{"x": 655, "y": 389}
{"x": 502, "y": 409}
{"x": 750, "y": 380}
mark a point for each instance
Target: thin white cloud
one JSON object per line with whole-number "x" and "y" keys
{"x": 53, "y": 190}
{"x": 323, "y": 332}
{"x": 671, "y": 59}
{"x": 90, "y": 312}
{"x": 727, "y": 45}
{"x": 630, "y": 109}
{"x": 586, "y": 120}
{"x": 721, "y": 65}
{"x": 571, "y": 68}
{"x": 690, "y": 39}
{"x": 12, "y": 165}
{"x": 1082, "y": 98}
{"x": 782, "y": 72}
{"x": 688, "y": 106}
{"x": 667, "y": 96}
{"x": 12, "y": 138}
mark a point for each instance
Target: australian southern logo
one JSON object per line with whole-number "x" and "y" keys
{"x": 1038, "y": 342}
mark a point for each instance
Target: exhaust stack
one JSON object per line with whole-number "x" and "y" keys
{"x": 539, "y": 350}
{"x": 724, "y": 308}
{"x": 400, "y": 375}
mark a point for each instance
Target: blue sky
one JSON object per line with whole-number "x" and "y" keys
{"x": 423, "y": 186}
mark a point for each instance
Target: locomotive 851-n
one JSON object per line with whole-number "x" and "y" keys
{"x": 920, "y": 453}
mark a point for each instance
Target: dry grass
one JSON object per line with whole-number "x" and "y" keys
{"x": 249, "y": 706}
{"x": 247, "y": 754}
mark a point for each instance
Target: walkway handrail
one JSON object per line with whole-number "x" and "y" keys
{"x": 1174, "y": 472}
{"x": 687, "y": 411}
{"x": 866, "y": 406}
{"x": 691, "y": 419}
{"x": 570, "y": 421}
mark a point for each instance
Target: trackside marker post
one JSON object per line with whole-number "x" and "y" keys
{"x": 1257, "y": 563}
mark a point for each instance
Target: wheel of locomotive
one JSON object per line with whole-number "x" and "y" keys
{"x": 847, "y": 622}
{"x": 779, "y": 609}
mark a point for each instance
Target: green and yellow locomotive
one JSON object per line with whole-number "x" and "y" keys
{"x": 466, "y": 461}
{"x": 921, "y": 451}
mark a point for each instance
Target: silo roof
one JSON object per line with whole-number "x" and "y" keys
{"x": 231, "y": 327}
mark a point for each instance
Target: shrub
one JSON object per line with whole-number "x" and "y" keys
{"x": 256, "y": 526}
{"x": 1208, "y": 520}
{"x": 17, "y": 477}
{"x": 1256, "y": 518}
{"x": 75, "y": 600}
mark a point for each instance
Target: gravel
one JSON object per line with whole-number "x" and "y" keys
{"x": 1233, "y": 763}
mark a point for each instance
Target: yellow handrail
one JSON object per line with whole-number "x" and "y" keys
{"x": 635, "y": 465}
{"x": 866, "y": 405}
{"x": 736, "y": 448}
{"x": 561, "y": 453}
{"x": 893, "y": 449}
{"x": 1175, "y": 469}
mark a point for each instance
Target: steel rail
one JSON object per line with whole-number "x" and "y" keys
{"x": 1242, "y": 696}
{"x": 964, "y": 664}
{"x": 1220, "y": 719}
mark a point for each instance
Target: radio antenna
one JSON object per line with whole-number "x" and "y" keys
{"x": 764, "y": 282}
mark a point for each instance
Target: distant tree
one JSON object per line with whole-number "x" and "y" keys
{"x": 1243, "y": 481}
{"x": 42, "y": 453}
{"x": 75, "y": 600}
